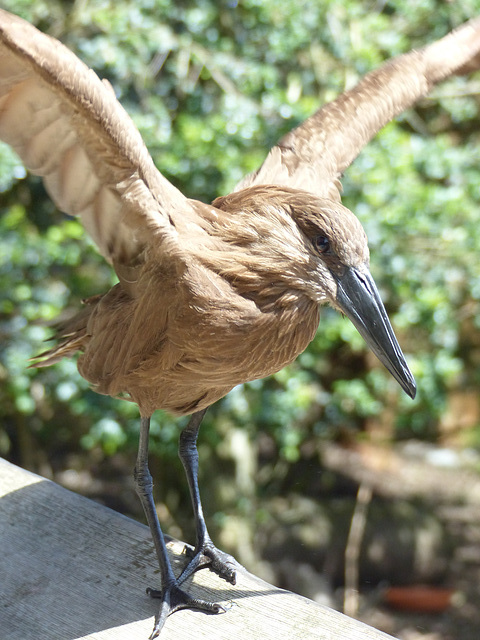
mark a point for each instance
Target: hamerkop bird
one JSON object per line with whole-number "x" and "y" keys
{"x": 209, "y": 295}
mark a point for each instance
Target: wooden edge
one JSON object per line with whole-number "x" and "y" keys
{"x": 73, "y": 569}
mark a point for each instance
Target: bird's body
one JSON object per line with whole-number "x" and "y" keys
{"x": 244, "y": 278}
{"x": 209, "y": 296}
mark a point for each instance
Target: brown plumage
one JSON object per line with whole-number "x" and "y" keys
{"x": 203, "y": 332}
{"x": 209, "y": 296}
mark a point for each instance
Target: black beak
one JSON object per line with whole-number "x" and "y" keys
{"x": 358, "y": 298}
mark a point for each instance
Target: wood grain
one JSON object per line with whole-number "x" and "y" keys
{"x": 73, "y": 569}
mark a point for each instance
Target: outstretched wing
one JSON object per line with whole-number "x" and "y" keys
{"x": 314, "y": 155}
{"x": 68, "y": 127}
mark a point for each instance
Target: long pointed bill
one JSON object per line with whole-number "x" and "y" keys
{"x": 358, "y": 298}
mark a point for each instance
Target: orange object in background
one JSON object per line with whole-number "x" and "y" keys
{"x": 421, "y": 599}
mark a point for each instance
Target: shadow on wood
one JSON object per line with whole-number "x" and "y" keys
{"x": 74, "y": 569}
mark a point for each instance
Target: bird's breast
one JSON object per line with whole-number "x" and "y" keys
{"x": 183, "y": 352}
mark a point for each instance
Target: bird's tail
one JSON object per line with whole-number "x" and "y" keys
{"x": 71, "y": 336}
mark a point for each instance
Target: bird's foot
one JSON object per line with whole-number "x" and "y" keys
{"x": 174, "y": 599}
{"x": 208, "y": 556}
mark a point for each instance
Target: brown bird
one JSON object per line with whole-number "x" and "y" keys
{"x": 209, "y": 296}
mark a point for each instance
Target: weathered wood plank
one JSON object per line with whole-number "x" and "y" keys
{"x": 73, "y": 569}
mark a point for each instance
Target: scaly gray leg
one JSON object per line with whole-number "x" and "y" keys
{"x": 205, "y": 553}
{"x": 173, "y": 598}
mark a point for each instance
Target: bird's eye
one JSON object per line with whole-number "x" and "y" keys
{"x": 322, "y": 244}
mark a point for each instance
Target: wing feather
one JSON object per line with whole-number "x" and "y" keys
{"x": 314, "y": 155}
{"x": 67, "y": 126}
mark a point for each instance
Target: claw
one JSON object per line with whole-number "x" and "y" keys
{"x": 223, "y": 564}
{"x": 174, "y": 599}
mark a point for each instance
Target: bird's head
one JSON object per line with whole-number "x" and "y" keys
{"x": 319, "y": 247}
{"x": 342, "y": 265}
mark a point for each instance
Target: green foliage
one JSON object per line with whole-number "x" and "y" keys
{"x": 211, "y": 86}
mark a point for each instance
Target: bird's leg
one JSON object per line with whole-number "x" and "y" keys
{"x": 205, "y": 553}
{"x": 173, "y": 598}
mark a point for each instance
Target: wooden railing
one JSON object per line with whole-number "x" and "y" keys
{"x": 73, "y": 569}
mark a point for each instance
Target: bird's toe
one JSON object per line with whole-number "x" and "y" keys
{"x": 221, "y": 563}
{"x": 174, "y": 599}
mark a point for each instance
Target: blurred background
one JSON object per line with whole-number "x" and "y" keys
{"x": 290, "y": 462}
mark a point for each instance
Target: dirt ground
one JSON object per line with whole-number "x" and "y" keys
{"x": 449, "y": 483}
